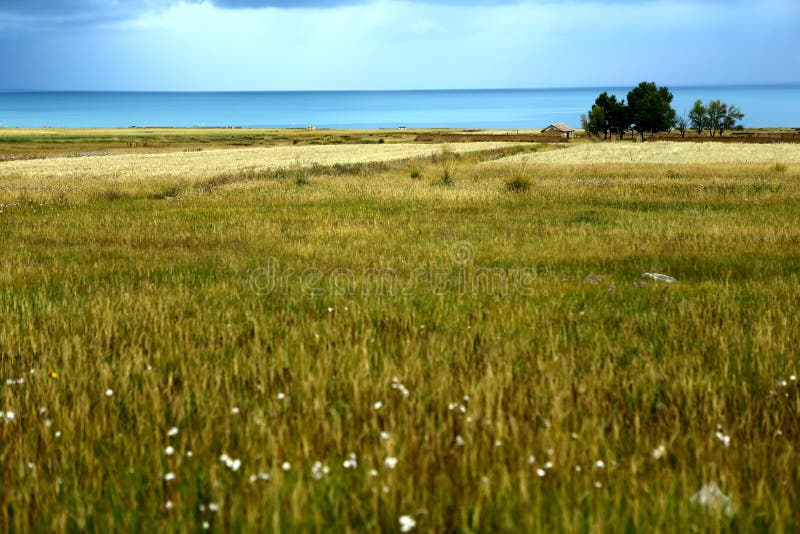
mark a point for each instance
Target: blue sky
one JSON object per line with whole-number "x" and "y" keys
{"x": 388, "y": 44}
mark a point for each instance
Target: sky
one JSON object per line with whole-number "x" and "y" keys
{"x": 264, "y": 45}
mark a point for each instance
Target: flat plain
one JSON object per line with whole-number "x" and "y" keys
{"x": 463, "y": 339}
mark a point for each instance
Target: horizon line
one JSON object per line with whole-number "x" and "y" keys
{"x": 551, "y": 88}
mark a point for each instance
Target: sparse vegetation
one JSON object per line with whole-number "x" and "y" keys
{"x": 196, "y": 341}
{"x": 778, "y": 167}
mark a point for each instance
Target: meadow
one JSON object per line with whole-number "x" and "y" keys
{"x": 440, "y": 339}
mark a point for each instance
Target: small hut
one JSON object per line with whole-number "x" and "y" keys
{"x": 565, "y": 130}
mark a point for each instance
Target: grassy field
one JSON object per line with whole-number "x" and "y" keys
{"x": 19, "y": 143}
{"x": 458, "y": 341}
{"x": 665, "y": 153}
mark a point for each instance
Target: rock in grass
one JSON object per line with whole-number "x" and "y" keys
{"x": 711, "y": 498}
{"x": 660, "y": 277}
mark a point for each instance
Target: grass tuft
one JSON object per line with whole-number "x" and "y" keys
{"x": 518, "y": 183}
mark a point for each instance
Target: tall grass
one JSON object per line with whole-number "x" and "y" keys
{"x": 507, "y": 354}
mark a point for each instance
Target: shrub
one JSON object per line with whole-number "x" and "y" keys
{"x": 518, "y": 183}
{"x": 415, "y": 174}
{"x": 447, "y": 176}
{"x": 302, "y": 176}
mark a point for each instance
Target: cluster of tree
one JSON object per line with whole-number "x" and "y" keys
{"x": 715, "y": 118}
{"x": 649, "y": 109}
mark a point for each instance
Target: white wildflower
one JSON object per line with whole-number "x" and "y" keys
{"x": 378, "y": 405}
{"x": 110, "y": 393}
{"x": 351, "y": 462}
{"x": 169, "y": 451}
{"x": 319, "y": 470}
{"x": 600, "y": 464}
{"x": 172, "y": 432}
{"x": 169, "y": 476}
{"x": 390, "y": 462}
{"x": 286, "y": 466}
{"x": 659, "y": 452}
{"x": 168, "y": 505}
{"x": 407, "y": 523}
{"x": 384, "y": 435}
{"x": 723, "y": 438}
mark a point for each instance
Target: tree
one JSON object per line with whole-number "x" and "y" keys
{"x": 717, "y": 117}
{"x": 730, "y": 119}
{"x": 715, "y": 112}
{"x": 608, "y": 115}
{"x": 698, "y": 117}
{"x": 595, "y": 122}
{"x": 605, "y": 102}
{"x": 650, "y": 108}
{"x": 618, "y": 118}
{"x": 682, "y": 125}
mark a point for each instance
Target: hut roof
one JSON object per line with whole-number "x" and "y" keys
{"x": 562, "y": 127}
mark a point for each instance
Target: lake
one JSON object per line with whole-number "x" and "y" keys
{"x": 763, "y": 106}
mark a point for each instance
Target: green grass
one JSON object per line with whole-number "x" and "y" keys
{"x": 189, "y": 302}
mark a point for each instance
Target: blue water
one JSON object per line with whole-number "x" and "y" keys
{"x": 763, "y": 106}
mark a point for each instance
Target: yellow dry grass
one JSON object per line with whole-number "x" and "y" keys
{"x": 664, "y": 152}
{"x": 199, "y": 165}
